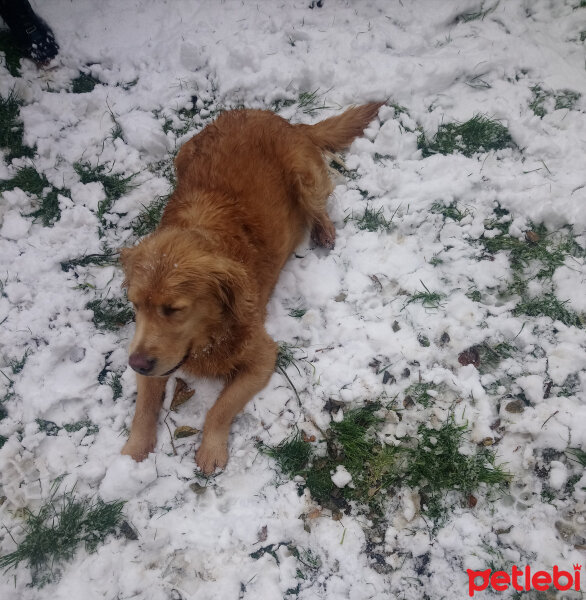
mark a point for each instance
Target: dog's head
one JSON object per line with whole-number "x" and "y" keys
{"x": 184, "y": 298}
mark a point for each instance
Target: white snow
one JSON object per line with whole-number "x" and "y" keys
{"x": 154, "y": 59}
{"x": 341, "y": 477}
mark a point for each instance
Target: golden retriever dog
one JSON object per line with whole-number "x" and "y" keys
{"x": 249, "y": 187}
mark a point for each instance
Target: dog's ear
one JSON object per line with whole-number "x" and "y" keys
{"x": 233, "y": 288}
{"x": 127, "y": 259}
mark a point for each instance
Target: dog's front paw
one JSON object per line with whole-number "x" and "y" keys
{"x": 212, "y": 455}
{"x": 139, "y": 448}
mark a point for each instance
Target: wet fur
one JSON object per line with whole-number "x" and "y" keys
{"x": 249, "y": 186}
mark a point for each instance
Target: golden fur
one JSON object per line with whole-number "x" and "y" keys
{"x": 248, "y": 187}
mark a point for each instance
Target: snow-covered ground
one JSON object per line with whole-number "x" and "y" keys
{"x": 152, "y": 59}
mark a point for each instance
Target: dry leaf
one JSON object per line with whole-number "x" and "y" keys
{"x": 532, "y": 236}
{"x": 469, "y": 357}
{"x": 262, "y": 534}
{"x": 185, "y": 431}
{"x": 181, "y": 394}
{"x": 515, "y": 406}
{"x": 314, "y": 514}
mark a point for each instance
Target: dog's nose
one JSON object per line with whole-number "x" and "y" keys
{"x": 141, "y": 364}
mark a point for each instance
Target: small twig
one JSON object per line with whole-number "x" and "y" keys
{"x": 284, "y": 373}
{"x": 2, "y": 372}
{"x": 326, "y": 349}
{"x": 548, "y": 418}
{"x": 170, "y": 434}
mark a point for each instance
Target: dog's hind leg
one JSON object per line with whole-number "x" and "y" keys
{"x": 323, "y": 232}
{"x": 314, "y": 187}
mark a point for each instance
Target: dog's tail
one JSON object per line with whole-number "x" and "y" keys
{"x": 336, "y": 133}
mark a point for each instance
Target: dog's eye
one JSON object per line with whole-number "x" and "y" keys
{"x": 170, "y": 310}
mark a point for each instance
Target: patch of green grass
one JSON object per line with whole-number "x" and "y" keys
{"x": 419, "y": 394}
{"x": 479, "y": 134}
{"x": 450, "y": 211}
{"x": 108, "y": 257}
{"x": 12, "y": 52}
{"x": 491, "y": 355}
{"x": 12, "y": 129}
{"x": 548, "y": 306}
{"x": 297, "y": 313}
{"x": 307, "y": 565}
{"x": 115, "y": 383}
{"x": 128, "y": 85}
{"x": 112, "y": 378}
{"x": 287, "y": 356}
{"x": 577, "y": 455}
{"x": 280, "y": 103}
{"x": 478, "y": 83}
{"x": 437, "y": 466}
{"x": 51, "y": 428}
{"x": 571, "y": 386}
{"x": 48, "y": 427}
{"x": 49, "y": 212}
{"x": 53, "y": 534}
{"x": 372, "y": 220}
{"x": 17, "y": 364}
{"x": 431, "y": 462}
{"x": 537, "y": 256}
{"x": 83, "y": 83}
{"x": 398, "y": 108}
{"x": 29, "y": 180}
{"x": 292, "y": 455}
{"x": 349, "y": 174}
{"x": 310, "y": 102}
{"x": 562, "y": 99}
{"x": 148, "y": 219}
{"x": 566, "y": 99}
{"x": 352, "y": 434}
{"x": 166, "y": 168}
{"x": 92, "y": 428}
{"x": 190, "y": 117}
{"x": 476, "y": 15}
{"x": 115, "y": 185}
{"x": 110, "y": 313}
{"x": 116, "y": 133}
{"x": 474, "y": 295}
{"x": 427, "y": 299}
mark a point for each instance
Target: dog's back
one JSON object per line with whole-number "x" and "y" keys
{"x": 261, "y": 181}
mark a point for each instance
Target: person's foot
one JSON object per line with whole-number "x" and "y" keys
{"x": 31, "y": 33}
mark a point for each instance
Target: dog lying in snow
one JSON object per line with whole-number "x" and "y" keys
{"x": 249, "y": 185}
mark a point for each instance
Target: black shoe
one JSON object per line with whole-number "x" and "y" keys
{"x": 30, "y": 32}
